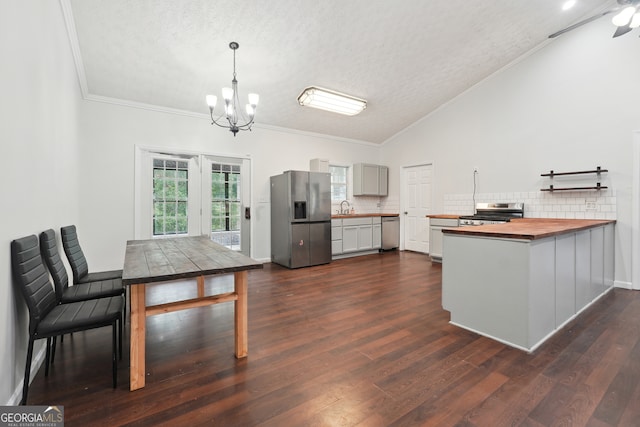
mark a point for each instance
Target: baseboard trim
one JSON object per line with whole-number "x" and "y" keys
{"x": 36, "y": 363}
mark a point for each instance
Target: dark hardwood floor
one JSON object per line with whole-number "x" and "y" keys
{"x": 359, "y": 342}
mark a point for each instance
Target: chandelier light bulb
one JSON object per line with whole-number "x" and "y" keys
{"x": 211, "y": 101}
{"x": 250, "y": 110}
{"x": 227, "y": 93}
{"x": 635, "y": 21}
{"x": 624, "y": 17}
{"x": 253, "y": 99}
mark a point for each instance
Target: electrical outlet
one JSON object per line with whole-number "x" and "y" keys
{"x": 591, "y": 206}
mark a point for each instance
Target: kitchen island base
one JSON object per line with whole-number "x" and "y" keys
{"x": 521, "y": 291}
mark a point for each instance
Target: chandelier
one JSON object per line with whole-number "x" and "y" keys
{"x": 233, "y": 118}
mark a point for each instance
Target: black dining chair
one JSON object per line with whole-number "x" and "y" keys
{"x": 48, "y": 318}
{"x": 78, "y": 262}
{"x": 79, "y": 292}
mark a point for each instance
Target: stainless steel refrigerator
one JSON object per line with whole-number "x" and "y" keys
{"x": 301, "y": 218}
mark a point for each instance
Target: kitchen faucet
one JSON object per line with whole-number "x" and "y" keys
{"x": 343, "y": 211}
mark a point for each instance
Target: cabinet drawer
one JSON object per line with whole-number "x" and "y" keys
{"x": 443, "y": 222}
{"x": 356, "y": 221}
{"x": 336, "y": 222}
{"x": 336, "y": 233}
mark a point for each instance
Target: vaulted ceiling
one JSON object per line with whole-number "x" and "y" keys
{"x": 406, "y": 58}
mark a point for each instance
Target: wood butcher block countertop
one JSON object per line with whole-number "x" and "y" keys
{"x": 444, "y": 216}
{"x": 529, "y": 228}
{"x": 362, "y": 215}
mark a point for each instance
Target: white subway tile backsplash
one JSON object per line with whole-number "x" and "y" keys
{"x": 543, "y": 204}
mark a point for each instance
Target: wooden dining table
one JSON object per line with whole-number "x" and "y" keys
{"x": 164, "y": 260}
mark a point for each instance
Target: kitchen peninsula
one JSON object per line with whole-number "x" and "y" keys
{"x": 521, "y": 281}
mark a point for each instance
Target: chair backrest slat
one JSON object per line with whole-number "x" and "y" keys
{"x": 32, "y": 279}
{"x": 49, "y": 250}
{"x": 72, "y": 248}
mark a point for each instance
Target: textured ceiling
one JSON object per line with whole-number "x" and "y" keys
{"x": 406, "y": 58}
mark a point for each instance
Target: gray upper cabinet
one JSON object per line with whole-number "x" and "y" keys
{"x": 370, "y": 180}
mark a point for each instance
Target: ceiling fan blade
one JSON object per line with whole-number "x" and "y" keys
{"x": 622, "y": 30}
{"x": 584, "y": 21}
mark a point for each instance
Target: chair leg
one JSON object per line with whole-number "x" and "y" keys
{"x": 27, "y": 372}
{"x": 53, "y": 349}
{"x": 121, "y": 331}
{"x": 47, "y": 358}
{"x": 114, "y": 356}
{"x": 125, "y": 305}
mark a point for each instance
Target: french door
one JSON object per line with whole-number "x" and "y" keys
{"x": 180, "y": 194}
{"x": 226, "y": 213}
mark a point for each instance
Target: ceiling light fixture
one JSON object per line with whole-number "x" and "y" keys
{"x": 330, "y": 100}
{"x": 236, "y": 119}
{"x": 627, "y": 17}
{"x": 568, "y": 4}
{"x": 624, "y": 17}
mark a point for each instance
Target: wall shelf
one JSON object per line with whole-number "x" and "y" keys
{"x": 597, "y": 187}
{"x": 596, "y": 171}
{"x": 551, "y": 174}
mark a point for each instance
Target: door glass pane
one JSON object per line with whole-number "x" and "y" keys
{"x": 225, "y": 205}
{"x": 170, "y": 195}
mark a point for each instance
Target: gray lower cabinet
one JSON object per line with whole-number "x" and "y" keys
{"x": 377, "y": 233}
{"x": 349, "y": 238}
{"x": 435, "y": 236}
{"x": 336, "y": 236}
{"x": 355, "y": 235}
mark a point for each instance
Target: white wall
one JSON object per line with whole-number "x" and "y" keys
{"x": 109, "y": 134}
{"x": 38, "y": 130}
{"x": 571, "y": 105}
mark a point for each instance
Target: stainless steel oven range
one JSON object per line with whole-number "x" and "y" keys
{"x": 493, "y": 213}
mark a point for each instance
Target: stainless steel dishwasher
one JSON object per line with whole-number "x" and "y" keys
{"x": 390, "y": 232}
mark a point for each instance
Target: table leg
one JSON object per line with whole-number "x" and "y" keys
{"x": 240, "y": 284}
{"x": 200, "y": 281}
{"x": 138, "y": 332}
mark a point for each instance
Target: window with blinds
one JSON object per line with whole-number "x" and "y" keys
{"x": 338, "y": 182}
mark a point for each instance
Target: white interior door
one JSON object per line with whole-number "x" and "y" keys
{"x": 417, "y": 193}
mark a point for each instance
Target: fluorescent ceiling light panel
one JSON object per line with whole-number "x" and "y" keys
{"x": 330, "y": 100}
